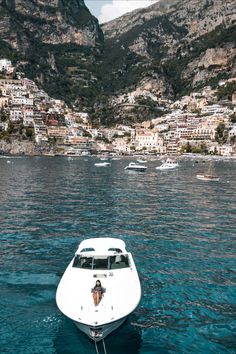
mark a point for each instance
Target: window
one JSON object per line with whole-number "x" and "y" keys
{"x": 100, "y": 262}
{"x": 90, "y": 249}
{"x": 83, "y": 262}
{"x": 118, "y": 261}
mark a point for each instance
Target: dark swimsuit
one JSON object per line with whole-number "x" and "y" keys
{"x": 98, "y": 288}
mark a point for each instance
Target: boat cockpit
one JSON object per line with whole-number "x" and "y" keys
{"x": 95, "y": 262}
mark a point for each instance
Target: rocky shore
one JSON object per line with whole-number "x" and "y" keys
{"x": 17, "y": 147}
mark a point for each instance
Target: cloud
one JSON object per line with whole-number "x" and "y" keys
{"x": 120, "y": 7}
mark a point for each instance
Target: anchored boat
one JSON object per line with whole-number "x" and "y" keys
{"x": 102, "y": 164}
{"x": 107, "y": 260}
{"x": 209, "y": 176}
{"x": 168, "y": 165}
{"x": 135, "y": 167}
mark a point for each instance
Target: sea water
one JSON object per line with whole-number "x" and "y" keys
{"x": 181, "y": 232}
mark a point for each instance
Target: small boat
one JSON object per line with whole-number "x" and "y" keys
{"x": 135, "y": 167}
{"x": 102, "y": 164}
{"x": 209, "y": 176}
{"x": 141, "y": 161}
{"x": 168, "y": 165}
{"x": 104, "y": 157}
{"x": 106, "y": 260}
{"x": 49, "y": 154}
{"x": 85, "y": 153}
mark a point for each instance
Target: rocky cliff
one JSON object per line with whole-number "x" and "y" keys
{"x": 168, "y": 49}
{"x": 182, "y": 44}
{"x": 54, "y": 42}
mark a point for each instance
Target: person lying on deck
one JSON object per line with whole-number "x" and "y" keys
{"x": 98, "y": 292}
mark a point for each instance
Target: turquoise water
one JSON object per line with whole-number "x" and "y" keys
{"x": 180, "y": 230}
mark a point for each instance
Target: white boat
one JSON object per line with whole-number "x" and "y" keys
{"x": 107, "y": 260}
{"x": 133, "y": 166}
{"x": 167, "y": 165}
{"x": 141, "y": 161}
{"x": 102, "y": 164}
{"x": 104, "y": 157}
{"x": 85, "y": 153}
{"x": 207, "y": 177}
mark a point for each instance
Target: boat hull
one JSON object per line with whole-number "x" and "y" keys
{"x": 166, "y": 168}
{"x": 207, "y": 178}
{"x": 136, "y": 169}
{"x": 97, "y": 333}
{"x": 102, "y": 164}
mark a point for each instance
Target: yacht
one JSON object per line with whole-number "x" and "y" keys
{"x": 167, "y": 165}
{"x": 209, "y": 176}
{"x": 107, "y": 260}
{"x": 141, "y": 161}
{"x": 133, "y": 166}
{"x": 102, "y": 164}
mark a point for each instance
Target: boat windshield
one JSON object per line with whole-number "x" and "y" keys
{"x": 101, "y": 262}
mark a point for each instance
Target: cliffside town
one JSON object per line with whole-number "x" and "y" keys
{"x": 32, "y": 122}
{"x": 169, "y": 49}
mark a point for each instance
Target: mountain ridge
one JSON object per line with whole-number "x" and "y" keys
{"x": 168, "y": 49}
{"x": 50, "y": 43}
{"x": 178, "y": 46}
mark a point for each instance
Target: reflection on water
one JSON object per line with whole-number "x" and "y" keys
{"x": 180, "y": 230}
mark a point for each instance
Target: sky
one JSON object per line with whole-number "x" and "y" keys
{"x": 106, "y": 10}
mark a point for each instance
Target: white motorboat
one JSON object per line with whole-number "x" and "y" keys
{"x": 102, "y": 164}
{"x": 133, "y": 166}
{"x": 141, "y": 161}
{"x": 107, "y": 260}
{"x": 167, "y": 165}
{"x": 207, "y": 177}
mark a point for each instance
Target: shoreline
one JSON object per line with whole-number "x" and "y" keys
{"x": 147, "y": 156}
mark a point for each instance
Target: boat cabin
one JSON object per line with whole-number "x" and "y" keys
{"x": 101, "y": 254}
{"x": 96, "y": 262}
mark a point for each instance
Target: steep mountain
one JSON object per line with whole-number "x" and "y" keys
{"x": 166, "y": 50}
{"x": 54, "y": 42}
{"x": 173, "y": 46}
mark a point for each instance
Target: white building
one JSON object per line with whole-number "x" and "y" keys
{"x": 22, "y": 101}
{"x": 225, "y": 150}
{"x": 28, "y": 116}
{"x": 6, "y": 64}
{"x": 232, "y": 131}
{"x": 3, "y": 126}
{"x": 15, "y": 114}
{"x": 147, "y": 140}
{"x": 40, "y": 131}
{"x": 216, "y": 109}
{"x": 204, "y": 133}
{"x": 121, "y": 145}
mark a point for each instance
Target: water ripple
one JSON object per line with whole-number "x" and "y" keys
{"x": 181, "y": 232}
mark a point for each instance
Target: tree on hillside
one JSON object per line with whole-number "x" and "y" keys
{"x": 226, "y": 91}
{"x": 3, "y": 115}
{"x": 221, "y": 133}
{"x": 233, "y": 118}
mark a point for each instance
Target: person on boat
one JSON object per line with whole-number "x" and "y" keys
{"x": 98, "y": 292}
